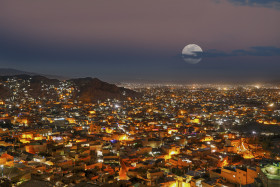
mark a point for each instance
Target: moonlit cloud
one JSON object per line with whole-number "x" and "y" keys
{"x": 255, "y": 3}
{"x": 264, "y": 51}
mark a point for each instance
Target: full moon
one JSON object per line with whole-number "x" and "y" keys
{"x": 190, "y": 53}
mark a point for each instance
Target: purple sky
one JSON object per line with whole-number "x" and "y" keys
{"x": 142, "y": 40}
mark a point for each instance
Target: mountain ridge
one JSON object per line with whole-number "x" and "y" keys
{"x": 13, "y": 72}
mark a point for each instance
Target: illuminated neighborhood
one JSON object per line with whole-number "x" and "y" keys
{"x": 165, "y": 135}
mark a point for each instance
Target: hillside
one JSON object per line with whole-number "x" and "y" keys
{"x": 39, "y": 87}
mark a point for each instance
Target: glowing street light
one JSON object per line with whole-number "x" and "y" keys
{"x": 271, "y": 105}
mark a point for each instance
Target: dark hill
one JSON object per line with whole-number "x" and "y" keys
{"x": 12, "y": 72}
{"x": 92, "y": 89}
{"x": 85, "y": 89}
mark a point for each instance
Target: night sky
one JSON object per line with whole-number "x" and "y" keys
{"x": 142, "y": 40}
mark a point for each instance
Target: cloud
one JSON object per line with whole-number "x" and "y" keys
{"x": 263, "y": 3}
{"x": 252, "y": 51}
